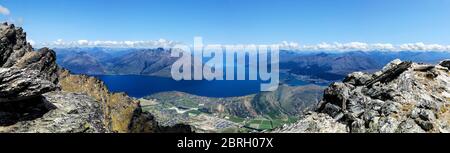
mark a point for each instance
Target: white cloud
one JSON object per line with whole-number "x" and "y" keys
{"x": 289, "y": 45}
{"x": 422, "y": 47}
{"x": 82, "y": 42}
{"x": 360, "y": 46}
{"x": 284, "y": 45}
{"x": 112, "y": 44}
{"x": 4, "y": 10}
{"x": 58, "y": 42}
{"x": 383, "y": 47}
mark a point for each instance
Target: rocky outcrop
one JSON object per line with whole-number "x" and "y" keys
{"x": 403, "y": 97}
{"x": 118, "y": 107}
{"x": 314, "y": 123}
{"x": 24, "y": 73}
{"x": 54, "y": 112}
{"x": 18, "y": 84}
{"x": 445, "y": 63}
{"x": 31, "y": 99}
{"x": 121, "y": 112}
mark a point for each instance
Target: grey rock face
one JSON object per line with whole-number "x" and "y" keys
{"x": 24, "y": 73}
{"x": 445, "y": 63}
{"x": 403, "y": 97}
{"x": 17, "y": 84}
{"x": 54, "y": 112}
{"x": 314, "y": 123}
{"x": 13, "y": 45}
{"x": 42, "y": 60}
{"x": 29, "y": 104}
{"x": 26, "y": 78}
{"x": 358, "y": 78}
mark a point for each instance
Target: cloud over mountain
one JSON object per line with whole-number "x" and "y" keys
{"x": 284, "y": 45}
{"x": 360, "y": 46}
{"x": 112, "y": 44}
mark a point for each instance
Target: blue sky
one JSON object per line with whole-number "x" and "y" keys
{"x": 235, "y": 21}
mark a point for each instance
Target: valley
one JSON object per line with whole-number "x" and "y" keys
{"x": 256, "y": 112}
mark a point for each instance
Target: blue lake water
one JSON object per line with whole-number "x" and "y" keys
{"x": 140, "y": 86}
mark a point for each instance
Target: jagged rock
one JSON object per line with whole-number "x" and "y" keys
{"x": 445, "y": 63}
{"x": 54, "y": 112}
{"x": 27, "y": 103}
{"x": 42, "y": 60}
{"x": 26, "y": 77}
{"x": 18, "y": 84}
{"x": 389, "y": 108}
{"x": 119, "y": 108}
{"x": 425, "y": 125}
{"x": 337, "y": 94}
{"x": 409, "y": 126}
{"x": 390, "y": 74}
{"x": 403, "y": 97}
{"x": 357, "y": 78}
{"x": 24, "y": 73}
{"x": 427, "y": 115}
{"x": 358, "y": 126}
{"x": 122, "y": 113}
{"x": 389, "y": 66}
{"x": 13, "y": 45}
{"x": 332, "y": 110}
{"x": 314, "y": 123}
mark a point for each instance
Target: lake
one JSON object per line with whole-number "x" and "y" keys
{"x": 139, "y": 86}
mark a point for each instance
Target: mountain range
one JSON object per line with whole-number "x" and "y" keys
{"x": 334, "y": 66}
{"x": 105, "y": 61}
{"x": 310, "y": 66}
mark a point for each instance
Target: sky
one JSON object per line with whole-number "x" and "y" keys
{"x": 309, "y": 22}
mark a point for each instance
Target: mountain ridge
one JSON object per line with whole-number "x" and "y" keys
{"x": 37, "y": 96}
{"x": 403, "y": 97}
